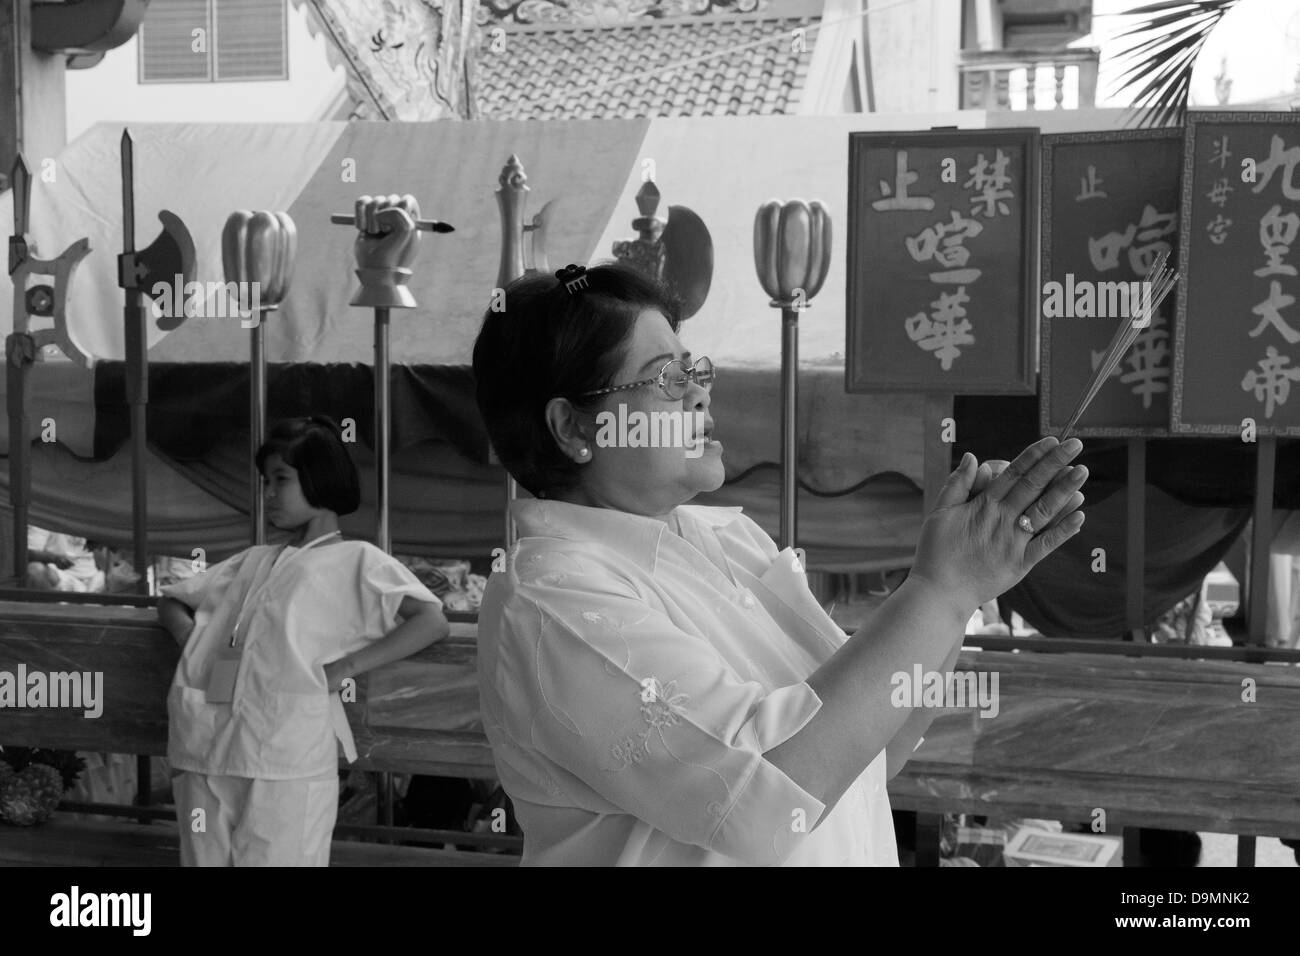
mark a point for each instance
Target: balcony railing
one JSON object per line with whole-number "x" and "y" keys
{"x": 1028, "y": 79}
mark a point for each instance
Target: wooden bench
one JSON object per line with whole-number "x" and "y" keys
{"x": 1153, "y": 742}
{"x": 419, "y": 716}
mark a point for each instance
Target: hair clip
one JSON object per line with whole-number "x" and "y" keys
{"x": 573, "y": 277}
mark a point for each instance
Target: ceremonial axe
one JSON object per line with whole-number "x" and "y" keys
{"x": 43, "y": 300}
{"x": 169, "y": 259}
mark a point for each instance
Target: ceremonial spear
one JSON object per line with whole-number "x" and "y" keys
{"x": 22, "y": 346}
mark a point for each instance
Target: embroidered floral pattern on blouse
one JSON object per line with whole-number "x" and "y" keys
{"x": 548, "y": 567}
{"x": 660, "y": 705}
{"x": 630, "y": 751}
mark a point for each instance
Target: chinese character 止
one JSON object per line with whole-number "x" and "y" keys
{"x": 943, "y": 243}
{"x": 1218, "y": 193}
{"x": 1270, "y": 311}
{"x": 1276, "y": 234}
{"x": 1218, "y": 229}
{"x": 1221, "y": 151}
{"x": 899, "y": 199}
{"x": 1148, "y": 361}
{"x": 992, "y": 185}
{"x": 1277, "y": 158}
{"x": 1088, "y": 186}
{"x": 1272, "y": 383}
{"x": 941, "y": 332}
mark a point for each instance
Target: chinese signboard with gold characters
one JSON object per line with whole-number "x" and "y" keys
{"x": 940, "y": 263}
{"x": 1110, "y": 207}
{"x": 1237, "y": 344}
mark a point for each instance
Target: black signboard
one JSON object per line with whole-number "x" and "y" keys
{"x": 941, "y": 261}
{"x": 1110, "y": 206}
{"x": 1237, "y": 341}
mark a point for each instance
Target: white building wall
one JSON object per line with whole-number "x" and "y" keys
{"x": 111, "y": 90}
{"x": 915, "y": 48}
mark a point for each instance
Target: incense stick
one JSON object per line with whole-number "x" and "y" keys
{"x": 1161, "y": 280}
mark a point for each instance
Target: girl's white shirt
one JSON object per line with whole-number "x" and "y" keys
{"x": 317, "y": 606}
{"x": 631, "y": 679}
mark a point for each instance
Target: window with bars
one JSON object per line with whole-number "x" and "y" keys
{"x": 196, "y": 41}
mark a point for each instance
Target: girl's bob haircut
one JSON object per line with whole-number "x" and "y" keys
{"x": 314, "y": 448}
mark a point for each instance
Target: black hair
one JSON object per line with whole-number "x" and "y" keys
{"x": 314, "y": 448}
{"x": 550, "y": 342}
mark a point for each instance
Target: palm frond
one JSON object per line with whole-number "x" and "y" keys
{"x": 1158, "y": 53}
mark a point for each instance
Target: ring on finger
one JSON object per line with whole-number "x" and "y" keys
{"x": 1025, "y": 524}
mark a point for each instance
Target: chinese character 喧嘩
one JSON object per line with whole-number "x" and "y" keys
{"x": 943, "y": 243}
{"x": 1104, "y": 252}
{"x": 941, "y": 332}
{"x": 1148, "y": 360}
{"x": 1152, "y": 230}
{"x": 1149, "y": 235}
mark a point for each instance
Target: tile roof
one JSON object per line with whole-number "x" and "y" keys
{"x": 565, "y": 71}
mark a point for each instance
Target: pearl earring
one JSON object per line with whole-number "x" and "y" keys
{"x": 584, "y": 452}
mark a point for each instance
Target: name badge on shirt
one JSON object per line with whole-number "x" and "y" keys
{"x": 221, "y": 680}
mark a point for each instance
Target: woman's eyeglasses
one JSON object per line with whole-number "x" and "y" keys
{"x": 673, "y": 379}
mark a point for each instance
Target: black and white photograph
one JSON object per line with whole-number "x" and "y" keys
{"x": 582, "y": 434}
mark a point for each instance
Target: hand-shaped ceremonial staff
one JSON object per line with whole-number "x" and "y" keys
{"x": 388, "y": 234}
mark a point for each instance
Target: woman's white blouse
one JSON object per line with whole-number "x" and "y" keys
{"x": 631, "y": 680}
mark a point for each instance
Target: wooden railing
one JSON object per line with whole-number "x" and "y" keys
{"x": 987, "y": 75}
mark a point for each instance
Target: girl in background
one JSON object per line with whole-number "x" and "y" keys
{"x": 269, "y": 638}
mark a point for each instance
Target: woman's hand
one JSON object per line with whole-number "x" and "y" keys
{"x": 986, "y": 472}
{"x": 972, "y": 547}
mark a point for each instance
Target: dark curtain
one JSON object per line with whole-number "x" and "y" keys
{"x": 1199, "y": 495}
{"x": 192, "y": 407}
